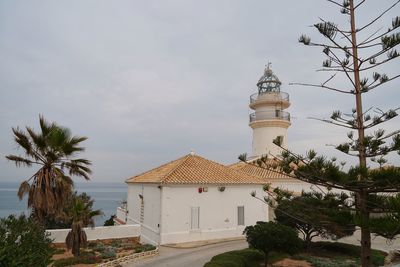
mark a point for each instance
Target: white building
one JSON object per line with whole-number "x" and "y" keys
{"x": 192, "y": 199}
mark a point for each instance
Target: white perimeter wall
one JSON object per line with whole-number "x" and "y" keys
{"x": 103, "y": 232}
{"x": 152, "y": 210}
{"x": 218, "y": 212}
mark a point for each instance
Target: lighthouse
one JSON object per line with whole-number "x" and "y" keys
{"x": 269, "y": 119}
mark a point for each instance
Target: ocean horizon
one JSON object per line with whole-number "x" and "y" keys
{"x": 107, "y": 196}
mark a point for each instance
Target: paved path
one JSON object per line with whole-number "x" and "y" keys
{"x": 184, "y": 257}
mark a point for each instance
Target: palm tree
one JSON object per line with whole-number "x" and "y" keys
{"x": 80, "y": 212}
{"x": 52, "y": 150}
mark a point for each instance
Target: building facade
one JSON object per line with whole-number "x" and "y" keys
{"x": 193, "y": 199}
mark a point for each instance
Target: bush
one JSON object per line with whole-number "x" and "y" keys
{"x": 99, "y": 247}
{"x": 116, "y": 243}
{"x": 238, "y": 258}
{"x": 108, "y": 253}
{"x": 110, "y": 221}
{"x": 271, "y": 236}
{"x": 377, "y": 256}
{"x": 23, "y": 243}
{"x": 144, "y": 247}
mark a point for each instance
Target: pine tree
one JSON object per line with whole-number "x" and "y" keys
{"x": 371, "y": 191}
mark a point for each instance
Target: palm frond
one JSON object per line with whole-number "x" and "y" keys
{"x": 22, "y": 140}
{"x": 20, "y": 161}
{"x": 24, "y": 189}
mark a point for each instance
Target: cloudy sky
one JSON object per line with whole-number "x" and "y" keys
{"x": 148, "y": 81}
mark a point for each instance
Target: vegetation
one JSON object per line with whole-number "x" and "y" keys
{"x": 80, "y": 212}
{"x": 238, "y": 258}
{"x": 326, "y": 219}
{"x": 53, "y": 150}
{"x": 110, "y": 221}
{"x": 359, "y": 62}
{"x": 144, "y": 247}
{"x": 370, "y": 191}
{"x": 23, "y": 243}
{"x": 85, "y": 258}
{"x": 377, "y": 256}
{"x": 321, "y": 254}
{"x": 271, "y": 236}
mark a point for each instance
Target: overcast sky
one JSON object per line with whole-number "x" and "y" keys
{"x": 148, "y": 81}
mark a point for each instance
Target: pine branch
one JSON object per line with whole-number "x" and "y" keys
{"x": 334, "y": 123}
{"x": 388, "y": 80}
{"x": 359, "y": 4}
{"x": 322, "y": 86}
{"x": 378, "y": 17}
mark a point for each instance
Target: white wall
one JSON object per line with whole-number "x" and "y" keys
{"x": 294, "y": 186}
{"x": 152, "y": 210}
{"x": 218, "y": 212}
{"x": 103, "y": 232}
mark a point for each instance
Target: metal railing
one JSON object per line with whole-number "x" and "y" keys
{"x": 269, "y": 96}
{"x": 270, "y": 115}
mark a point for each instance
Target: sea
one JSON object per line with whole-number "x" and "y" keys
{"x": 106, "y": 196}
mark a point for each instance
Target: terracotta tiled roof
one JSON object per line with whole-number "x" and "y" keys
{"x": 193, "y": 169}
{"x": 270, "y": 174}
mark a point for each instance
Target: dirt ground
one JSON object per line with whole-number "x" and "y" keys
{"x": 291, "y": 263}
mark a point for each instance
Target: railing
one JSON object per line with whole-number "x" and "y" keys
{"x": 269, "y": 96}
{"x": 122, "y": 214}
{"x": 270, "y": 115}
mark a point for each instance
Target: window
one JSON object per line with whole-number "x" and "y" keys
{"x": 240, "y": 215}
{"x": 195, "y": 218}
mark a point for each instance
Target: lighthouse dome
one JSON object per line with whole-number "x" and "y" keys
{"x": 269, "y": 82}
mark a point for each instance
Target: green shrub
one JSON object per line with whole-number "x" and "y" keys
{"x": 238, "y": 258}
{"x": 99, "y": 247}
{"x": 116, "y": 243}
{"x": 272, "y": 236}
{"x": 377, "y": 256}
{"x": 144, "y": 247}
{"x": 110, "y": 221}
{"x": 108, "y": 253}
{"x": 23, "y": 243}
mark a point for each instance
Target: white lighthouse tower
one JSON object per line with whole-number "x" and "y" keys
{"x": 269, "y": 120}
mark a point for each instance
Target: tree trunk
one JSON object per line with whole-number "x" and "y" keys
{"x": 266, "y": 259}
{"x": 76, "y": 245}
{"x": 365, "y": 232}
{"x": 308, "y": 241}
{"x": 361, "y": 198}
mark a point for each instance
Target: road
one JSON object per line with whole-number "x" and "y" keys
{"x": 184, "y": 257}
